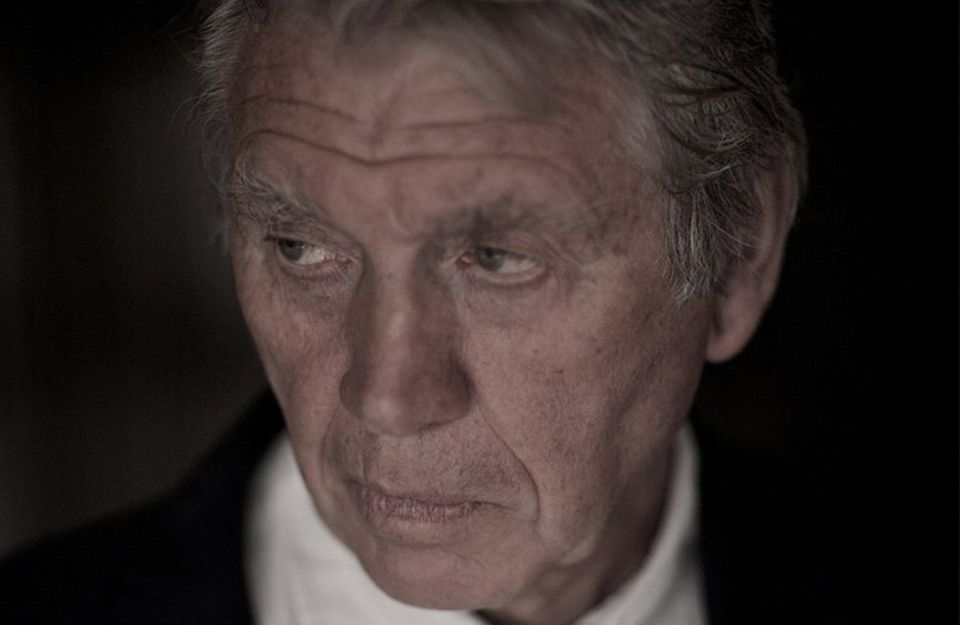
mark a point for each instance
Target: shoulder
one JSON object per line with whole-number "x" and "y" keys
{"x": 95, "y": 574}
{"x": 177, "y": 560}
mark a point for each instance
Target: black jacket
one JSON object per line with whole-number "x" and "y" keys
{"x": 765, "y": 546}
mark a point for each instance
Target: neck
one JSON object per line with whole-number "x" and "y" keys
{"x": 565, "y": 594}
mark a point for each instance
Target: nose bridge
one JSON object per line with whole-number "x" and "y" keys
{"x": 404, "y": 374}
{"x": 395, "y": 338}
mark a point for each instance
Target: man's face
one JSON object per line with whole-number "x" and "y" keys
{"x": 463, "y": 312}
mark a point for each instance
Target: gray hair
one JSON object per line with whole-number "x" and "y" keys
{"x": 699, "y": 77}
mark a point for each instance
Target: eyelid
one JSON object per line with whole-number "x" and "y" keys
{"x": 334, "y": 268}
{"x": 280, "y": 219}
{"x": 490, "y": 278}
{"x": 323, "y": 249}
{"x": 310, "y": 232}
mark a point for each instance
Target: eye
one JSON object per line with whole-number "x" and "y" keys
{"x": 496, "y": 260}
{"x": 501, "y": 263}
{"x": 291, "y": 250}
{"x": 304, "y": 254}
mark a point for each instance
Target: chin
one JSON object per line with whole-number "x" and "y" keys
{"x": 439, "y": 580}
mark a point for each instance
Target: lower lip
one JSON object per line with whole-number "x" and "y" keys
{"x": 414, "y": 523}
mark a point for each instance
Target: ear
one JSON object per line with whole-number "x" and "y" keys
{"x": 751, "y": 282}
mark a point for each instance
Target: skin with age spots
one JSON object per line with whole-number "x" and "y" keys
{"x": 481, "y": 373}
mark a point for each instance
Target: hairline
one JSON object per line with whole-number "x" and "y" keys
{"x": 703, "y": 238}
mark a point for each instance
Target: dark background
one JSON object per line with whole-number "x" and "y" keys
{"x": 123, "y": 355}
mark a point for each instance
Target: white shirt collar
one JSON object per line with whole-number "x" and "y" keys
{"x": 298, "y": 573}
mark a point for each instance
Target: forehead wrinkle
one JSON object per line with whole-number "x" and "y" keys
{"x": 266, "y": 96}
{"x": 486, "y": 120}
{"x": 494, "y": 120}
{"x": 499, "y": 112}
{"x": 387, "y": 116}
{"x": 396, "y": 160}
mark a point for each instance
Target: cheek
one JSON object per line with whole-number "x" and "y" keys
{"x": 297, "y": 340}
{"x": 585, "y": 401}
{"x": 558, "y": 431}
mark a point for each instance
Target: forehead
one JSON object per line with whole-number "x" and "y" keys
{"x": 389, "y": 96}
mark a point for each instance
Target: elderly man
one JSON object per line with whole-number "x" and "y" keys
{"x": 484, "y": 250}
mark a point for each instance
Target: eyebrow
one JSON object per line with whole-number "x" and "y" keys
{"x": 270, "y": 201}
{"x": 271, "y": 204}
{"x": 507, "y": 213}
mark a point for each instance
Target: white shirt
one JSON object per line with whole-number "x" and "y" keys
{"x": 299, "y": 573}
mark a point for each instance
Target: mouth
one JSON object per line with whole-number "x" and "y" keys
{"x": 425, "y": 509}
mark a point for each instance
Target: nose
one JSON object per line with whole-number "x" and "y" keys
{"x": 405, "y": 374}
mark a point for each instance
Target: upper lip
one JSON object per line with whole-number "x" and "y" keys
{"x": 430, "y": 498}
